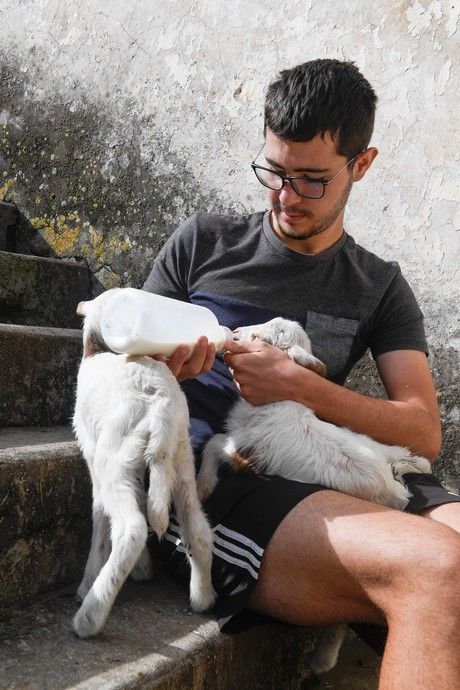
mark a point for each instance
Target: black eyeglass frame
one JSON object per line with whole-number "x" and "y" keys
{"x": 291, "y": 178}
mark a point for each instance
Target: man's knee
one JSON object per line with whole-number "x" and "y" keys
{"x": 429, "y": 573}
{"x": 446, "y": 569}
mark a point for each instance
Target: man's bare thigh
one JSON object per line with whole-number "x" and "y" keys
{"x": 337, "y": 558}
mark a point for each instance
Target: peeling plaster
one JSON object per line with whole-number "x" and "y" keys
{"x": 443, "y": 78}
{"x": 420, "y": 17}
{"x": 89, "y": 188}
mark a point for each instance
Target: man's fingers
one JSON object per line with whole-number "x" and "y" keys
{"x": 241, "y": 346}
{"x": 178, "y": 358}
{"x": 200, "y": 361}
{"x": 210, "y": 356}
{"x": 184, "y": 366}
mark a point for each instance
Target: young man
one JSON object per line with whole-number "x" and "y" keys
{"x": 298, "y": 552}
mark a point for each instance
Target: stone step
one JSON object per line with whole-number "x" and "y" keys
{"x": 38, "y": 291}
{"x": 151, "y": 640}
{"x": 38, "y": 373}
{"x": 45, "y": 511}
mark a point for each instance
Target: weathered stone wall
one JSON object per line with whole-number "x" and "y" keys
{"x": 117, "y": 120}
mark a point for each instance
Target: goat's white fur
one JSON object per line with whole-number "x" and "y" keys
{"x": 287, "y": 439}
{"x": 130, "y": 415}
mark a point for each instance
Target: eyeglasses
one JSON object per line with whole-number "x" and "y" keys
{"x": 304, "y": 186}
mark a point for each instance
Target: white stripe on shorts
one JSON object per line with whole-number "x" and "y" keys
{"x": 238, "y": 550}
{"x": 236, "y": 561}
{"x": 239, "y": 537}
{"x": 176, "y": 541}
{"x": 246, "y": 550}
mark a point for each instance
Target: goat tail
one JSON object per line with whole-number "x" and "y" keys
{"x": 159, "y": 456}
{"x": 213, "y": 456}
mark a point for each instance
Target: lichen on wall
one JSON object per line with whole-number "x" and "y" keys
{"x": 84, "y": 190}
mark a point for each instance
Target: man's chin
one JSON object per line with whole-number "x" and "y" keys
{"x": 298, "y": 230}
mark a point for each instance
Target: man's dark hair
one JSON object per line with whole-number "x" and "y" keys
{"x": 322, "y": 96}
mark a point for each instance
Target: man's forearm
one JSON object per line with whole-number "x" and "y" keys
{"x": 388, "y": 421}
{"x": 265, "y": 374}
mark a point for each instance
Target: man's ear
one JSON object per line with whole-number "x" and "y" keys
{"x": 363, "y": 162}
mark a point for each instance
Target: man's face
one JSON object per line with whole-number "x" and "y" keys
{"x": 296, "y": 220}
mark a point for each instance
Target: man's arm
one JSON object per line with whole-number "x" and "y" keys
{"x": 409, "y": 418}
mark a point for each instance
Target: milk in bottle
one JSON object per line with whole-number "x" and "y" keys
{"x": 137, "y": 322}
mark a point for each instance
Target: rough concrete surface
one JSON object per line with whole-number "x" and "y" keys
{"x": 40, "y": 291}
{"x": 38, "y": 374}
{"x": 45, "y": 513}
{"x": 21, "y": 438}
{"x": 151, "y": 640}
{"x": 8, "y": 222}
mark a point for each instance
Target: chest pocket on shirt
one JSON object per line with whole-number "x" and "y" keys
{"x": 331, "y": 339}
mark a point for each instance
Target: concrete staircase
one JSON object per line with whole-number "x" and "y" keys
{"x": 152, "y": 639}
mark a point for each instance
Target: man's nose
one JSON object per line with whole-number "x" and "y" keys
{"x": 288, "y": 194}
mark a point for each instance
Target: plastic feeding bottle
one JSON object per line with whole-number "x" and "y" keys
{"x": 137, "y": 322}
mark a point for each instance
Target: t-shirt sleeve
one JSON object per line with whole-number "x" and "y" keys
{"x": 397, "y": 323}
{"x": 170, "y": 273}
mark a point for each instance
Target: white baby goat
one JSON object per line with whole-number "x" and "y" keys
{"x": 130, "y": 415}
{"x": 287, "y": 439}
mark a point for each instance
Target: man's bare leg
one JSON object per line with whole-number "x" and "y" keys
{"x": 448, "y": 514}
{"x": 335, "y": 558}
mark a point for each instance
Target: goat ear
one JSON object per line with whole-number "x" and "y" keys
{"x": 94, "y": 345}
{"x": 81, "y": 310}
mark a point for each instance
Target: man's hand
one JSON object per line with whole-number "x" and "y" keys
{"x": 262, "y": 373}
{"x": 201, "y": 360}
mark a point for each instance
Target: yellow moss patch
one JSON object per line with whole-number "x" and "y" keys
{"x": 60, "y": 236}
{"x": 100, "y": 251}
{"x": 116, "y": 245}
{"x": 63, "y": 231}
{"x": 9, "y": 183}
{"x": 40, "y": 223}
{"x": 95, "y": 237}
{"x": 111, "y": 280}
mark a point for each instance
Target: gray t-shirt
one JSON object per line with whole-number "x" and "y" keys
{"x": 346, "y": 298}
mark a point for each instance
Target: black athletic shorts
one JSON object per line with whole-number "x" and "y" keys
{"x": 244, "y": 511}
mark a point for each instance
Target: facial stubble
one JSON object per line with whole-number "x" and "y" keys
{"x": 320, "y": 225}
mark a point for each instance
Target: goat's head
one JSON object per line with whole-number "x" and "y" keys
{"x": 93, "y": 342}
{"x": 279, "y": 332}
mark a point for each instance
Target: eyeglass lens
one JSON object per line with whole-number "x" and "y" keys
{"x": 301, "y": 185}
